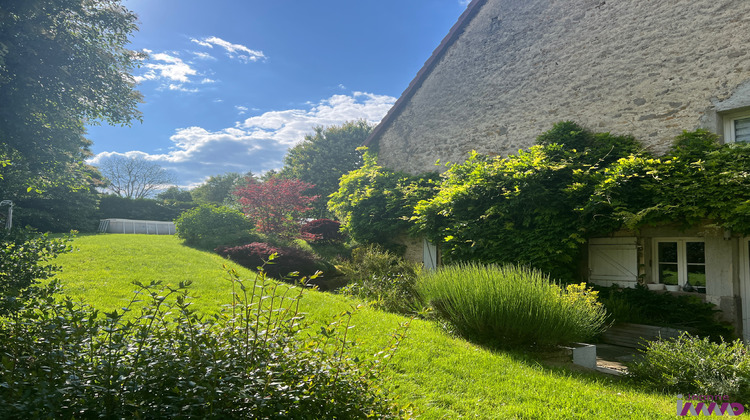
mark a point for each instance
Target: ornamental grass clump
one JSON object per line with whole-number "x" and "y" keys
{"x": 509, "y": 306}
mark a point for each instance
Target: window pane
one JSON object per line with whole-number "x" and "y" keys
{"x": 742, "y": 129}
{"x": 668, "y": 252}
{"x": 695, "y": 252}
{"x": 696, "y": 275}
{"x": 668, "y": 273}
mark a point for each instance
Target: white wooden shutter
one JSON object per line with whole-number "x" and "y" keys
{"x": 429, "y": 255}
{"x": 613, "y": 260}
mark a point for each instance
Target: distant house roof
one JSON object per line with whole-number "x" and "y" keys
{"x": 453, "y": 34}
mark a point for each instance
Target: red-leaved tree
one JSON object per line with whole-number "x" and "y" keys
{"x": 276, "y": 205}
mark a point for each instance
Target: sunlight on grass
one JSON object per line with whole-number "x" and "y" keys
{"x": 442, "y": 376}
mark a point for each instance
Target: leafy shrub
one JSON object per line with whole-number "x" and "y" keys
{"x": 640, "y": 306}
{"x": 25, "y": 259}
{"x": 208, "y": 226}
{"x": 692, "y": 365}
{"x": 384, "y": 279}
{"x": 374, "y": 203}
{"x": 287, "y": 260}
{"x": 511, "y": 306}
{"x": 258, "y": 359}
{"x": 322, "y": 231}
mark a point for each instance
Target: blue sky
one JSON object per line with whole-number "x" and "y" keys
{"x": 230, "y": 85}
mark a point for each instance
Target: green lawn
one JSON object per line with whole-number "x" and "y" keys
{"x": 442, "y": 376}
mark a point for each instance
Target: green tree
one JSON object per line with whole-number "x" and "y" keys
{"x": 62, "y": 63}
{"x": 218, "y": 188}
{"x": 323, "y": 157}
{"x": 174, "y": 193}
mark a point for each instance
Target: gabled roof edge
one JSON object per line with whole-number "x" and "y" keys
{"x": 437, "y": 54}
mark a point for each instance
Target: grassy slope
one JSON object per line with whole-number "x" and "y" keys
{"x": 444, "y": 377}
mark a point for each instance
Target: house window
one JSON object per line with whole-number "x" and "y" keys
{"x": 737, "y": 127}
{"x": 680, "y": 261}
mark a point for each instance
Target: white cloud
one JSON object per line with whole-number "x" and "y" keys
{"x": 203, "y": 55}
{"x": 242, "y": 109}
{"x": 171, "y": 73}
{"x": 165, "y": 66}
{"x": 180, "y": 88}
{"x": 238, "y": 51}
{"x": 257, "y": 143}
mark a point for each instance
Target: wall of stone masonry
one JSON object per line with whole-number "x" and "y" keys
{"x": 646, "y": 68}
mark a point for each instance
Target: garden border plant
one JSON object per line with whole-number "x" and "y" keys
{"x": 510, "y": 306}
{"x": 209, "y": 226}
{"x": 692, "y": 365}
{"x": 259, "y": 358}
{"x": 385, "y": 280}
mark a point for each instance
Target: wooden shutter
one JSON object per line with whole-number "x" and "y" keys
{"x": 429, "y": 255}
{"x": 613, "y": 260}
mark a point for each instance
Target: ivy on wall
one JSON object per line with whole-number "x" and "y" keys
{"x": 698, "y": 180}
{"x": 539, "y": 206}
{"x": 525, "y": 208}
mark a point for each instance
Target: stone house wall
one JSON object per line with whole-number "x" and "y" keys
{"x": 513, "y": 69}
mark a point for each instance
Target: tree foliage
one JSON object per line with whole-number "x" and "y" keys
{"x": 217, "y": 189}
{"x": 134, "y": 177}
{"x": 277, "y": 205}
{"x": 175, "y": 194}
{"x": 374, "y": 204}
{"x": 323, "y": 157}
{"x": 61, "y": 62}
{"x": 116, "y": 207}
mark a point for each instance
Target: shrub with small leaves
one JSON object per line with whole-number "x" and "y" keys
{"x": 258, "y": 359}
{"x": 692, "y": 365}
{"x": 25, "y": 258}
{"x": 288, "y": 259}
{"x": 641, "y": 306}
{"x": 209, "y": 226}
{"x": 322, "y": 231}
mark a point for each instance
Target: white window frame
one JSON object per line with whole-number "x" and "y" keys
{"x": 729, "y": 119}
{"x": 682, "y": 263}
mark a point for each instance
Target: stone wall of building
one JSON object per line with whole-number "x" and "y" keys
{"x": 646, "y": 68}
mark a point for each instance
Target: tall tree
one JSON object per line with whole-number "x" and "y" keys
{"x": 218, "y": 188}
{"x": 62, "y": 63}
{"x": 323, "y": 157}
{"x": 174, "y": 193}
{"x": 134, "y": 177}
